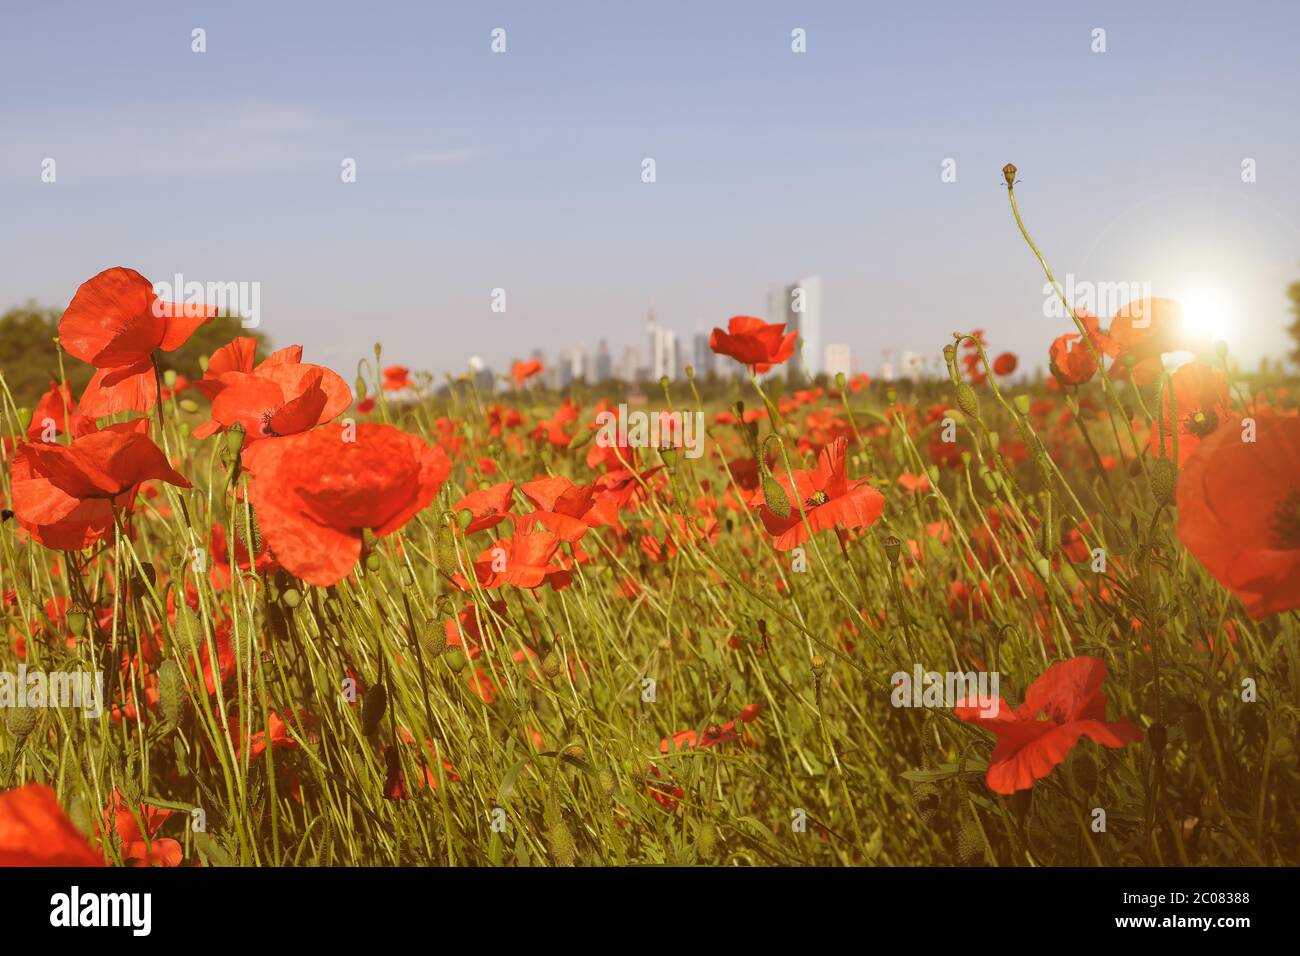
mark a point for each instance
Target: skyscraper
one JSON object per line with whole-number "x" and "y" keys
{"x": 838, "y": 361}
{"x": 604, "y": 365}
{"x": 703, "y": 356}
{"x": 799, "y": 306}
{"x": 664, "y": 354}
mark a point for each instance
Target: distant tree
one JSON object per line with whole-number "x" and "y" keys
{"x": 1293, "y": 293}
{"x": 29, "y": 360}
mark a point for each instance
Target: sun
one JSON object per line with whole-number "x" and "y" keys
{"x": 1207, "y": 310}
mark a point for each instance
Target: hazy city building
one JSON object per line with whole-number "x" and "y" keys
{"x": 838, "y": 361}
{"x": 664, "y": 354}
{"x": 703, "y": 357}
{"x": 799, "y": 306}
{"x": 603, "y": 367}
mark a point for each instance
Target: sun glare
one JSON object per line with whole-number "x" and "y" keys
{"x": 1207, "y": 310}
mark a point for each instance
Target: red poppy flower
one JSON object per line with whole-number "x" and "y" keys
{"x": 55, "y": 414}
{"x": 116, "y": 323}
{"x": 65, "y": 495}
{"x": 489, "y": 506}
{"x": 136, "y": 849}
{"x": 280, "y": 396}
{"x": 1005, "y": 363}
{"x": 829, "y": 499}
{"x": 560, "y": 505}
{"x": 1239, "y": 512}
{"x": 753, "y": 342}
{"x": 316, "y": 491}
{"x": 1069, "y": 695}
{"x": 524, "y": 560}
{"x": 34, "y": 831}
{"x": 1200, "y": 402}
{"x": 1071, "y": 361}
{"x": 1142, "y": 332}
{"x": 396, "y": 378}
{"x": 523, "y": 371}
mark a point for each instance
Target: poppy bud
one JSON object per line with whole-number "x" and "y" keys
{"x": 818, "y": 664}
{"x": 1164, "y": 479}
{"x": 1157, "y": 737}
{"x": 893, "y": 546}
{"x": 372, "y": 709}
{"x": 21, "y": 721}
{"x": 967, "y": 401}
{"x": 290, "y": 598}
{"x": 690, "y": 373}
{"x": 360, "y": 388}
{"x": 925, "y": 799}
{"x": 234, "y": 440}
{"x": 704, "y": 841}
{"x": 77, "y": 622}
{"x": 574, "y": 753}
{"x": 774, "y": 495}
{"x": 373, "y": 562}
{"x": 1194, "y": 724}
{"x": 1084, "y": 771}
{"x": 433, "y": 639}
{"x": 970, "y": 842}
{"x": 663, "y": 381}
{"x": 840, "y": 380}
{"x": 455, "y": 659}
{"x": 668, "y": 454}
{"x": 560, "y": 840}
{"x": 606, "y": 782}
{"x": 1009, "y": 174}
{"x": 552, "y": 664}
{"x": 171, "y": 692}
{"x": 444, "y": 551}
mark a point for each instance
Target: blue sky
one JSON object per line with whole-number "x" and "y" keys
{"x": 522, "y": 170}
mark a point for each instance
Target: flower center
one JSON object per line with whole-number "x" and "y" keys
{"x": 818, "y": 498}
{"x": 1286, "y": 521}
{"x": 267, "y": 416}
{"x": 1202, "y": 423}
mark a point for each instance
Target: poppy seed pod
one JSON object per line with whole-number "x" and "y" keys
{"x": 455, "y": 659}
{"x": 774, "y": 496}
{"x": 893, "y": 548}
{"x": 76, "y": 620}
{"x": 372, "y": 709}
{"x": 1009, "y": 174}
{"x": 705, "y": 841}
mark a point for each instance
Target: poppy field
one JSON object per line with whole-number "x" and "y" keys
{"x": 986, "y": 620}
